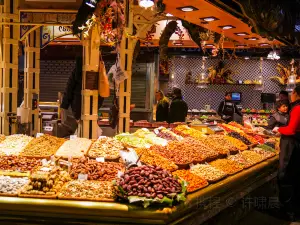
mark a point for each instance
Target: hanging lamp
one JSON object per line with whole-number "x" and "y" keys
{"x": 202, "y": 81}
{"x": 260, "y": 82}
{"x": 291, "y": 83}
{"x": 146, "y": 3}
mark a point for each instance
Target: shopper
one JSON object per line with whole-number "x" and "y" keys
{"x": 162, "y": 107}
{"x": 284, "y": 96}
{"x": 289, "y": 158}
{"x": 228, "y": 110}
{"x": 178, "y": 107}
{"x": 279, "y": 118}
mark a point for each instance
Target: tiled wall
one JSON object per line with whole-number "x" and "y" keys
{"x": 214, "y": 94}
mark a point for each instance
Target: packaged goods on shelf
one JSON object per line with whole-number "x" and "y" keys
{"x": 10, "y": 186}
{"x": 208, "y": 172}
{"x": 101, "y": 171}
{"x": 195, "y": 182}
{"x": 42, "y": 147}
{"x": 14, "y": 144}
{"x": 88, "y": 190}
{"x": 152, "y": 158}
{"x": 75, "y": 148}
{"x": 228, "y": 166}
{"x": 106, "y": 147}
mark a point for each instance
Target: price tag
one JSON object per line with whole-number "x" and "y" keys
{"x": 45, "y": 169}
{"x": 120, "y": 173}
{"x": 39, "y": 135}
{"x": 73, "y": 137}
{"x": 82, "y": 176}
{"x": 156, "y": 131}
{"x": 52, "y": 159}
{"x": 100, "y": 159}
{"x": 101, "y": 137}
{"x": 44, "y": 162}
{"x": 192, "y": 165}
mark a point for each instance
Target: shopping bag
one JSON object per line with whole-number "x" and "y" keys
{"x": 103, "y": 84}
{"x": 117, "y": 72}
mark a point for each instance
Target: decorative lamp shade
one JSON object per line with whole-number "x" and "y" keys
{"x": 291, "y": 84}
{"x": 146, "y": 3}
{"x": 202, "y": 82}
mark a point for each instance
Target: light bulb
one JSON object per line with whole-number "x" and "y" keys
{"x": 146, "y": 3}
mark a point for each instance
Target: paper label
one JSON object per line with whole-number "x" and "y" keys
{"x": 100, "y": 159}
{"x": 73, "y": 137}
{"x": 52, "y": 158}
{"x": 82, "y": 176}
{"x": 44, "y": 162}
{"x": 192, "y": 165}
{"x": 101, "y": 137}
{"x": 39, "y": 135}
{"x": 45, "y": 169}
{"x": 120, "y": 173}
{"x": 156, "y": 131}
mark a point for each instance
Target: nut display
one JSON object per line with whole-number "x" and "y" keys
{"x": 152, "y": 158}
{"x": 208, "y": 172}
{"x": 265, "y": 154}
{"x": 149, "y": 182}
{"x": 252, "y": 157}
{"x": 237, "y": 143}
{"x": 43, "y": 146}
{"x": 14, "y": 144}
{"x": 220, "y": 139}
{"x": 195, "y": 182}
{"x": 10, "y": 185}
{"x": 241, "y": 160}
{"x": 88, "y": 190}
{"x": 106, "y": 147}
{"x": 46, "y": 182}
{"x": 215, "y": 146}
{"x": 102, "y": 171}
{"x": 228, "y": 166}
{"x": 15, "y": 163}
{"x": 190, "y": 132}
{"x": 75, "y": 148}
{"x": 238, "y": 136}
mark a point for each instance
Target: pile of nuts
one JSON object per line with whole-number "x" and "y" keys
{"x": 216, "y": 146}
{"x": 228, "y": 166}
{"x": 10, "y": 185}
{"x": 75, "y": 148}
{"x": 152, "y": 158}
{"x": 106, "y": 147}
{"x": 149, "y": 182}
{"x": 252, "y": 157}
{"x": 220, "y": 139}
{"x": 208, "y": 172}
{"x": 102, "y": 171}
{"x": 194, "y": 182}
{"x": 265, "y": 154}
{"x": 88, "y": 190}
{"x": 237, "y": 143}
{"x": 14, "y": 144}
{"x": 15, "y": 163}
{"x": 241, "y": 160}
{"x": 43, "y": 146}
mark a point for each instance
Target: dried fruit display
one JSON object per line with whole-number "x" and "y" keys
{"x": 231, "y": 128}
{"x": 45, "y": 183}
{"x": 149, "y": 183}
{"x": 88, "y": 190}
{"x": 190, "y": 132}
{"x": 102, "y": 171}
{"x": 259, "y": 139}
{"x": 132, "y": 141}
{"x": 75, "y": 148}
{"x": 106, "y": 147}
{"x": 152, "y": 158}
{"x": 215, "y": 146}
{"x": 236, "y": 135}
{"x": 11, "y": 185}
{"x": 241, "y": 160}
{"x": 252, "y": 157}
{"x": 21, "y": 164}
{"x": 14, "y": 144}
{"x": 237, "y": 143}
{"x": 228, "y": 166}
{"x": 248, "y": 137}
{"x": 195, "y": 182}
{"x": 42, "y": 147}
{"x": 208, "y": 172}
{"x": 221, "y": 140}
{"x": 266, "y": 148}
{"x": 265, "y": 154}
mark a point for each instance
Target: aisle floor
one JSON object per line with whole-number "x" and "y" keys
{"x": 258, "y": 218}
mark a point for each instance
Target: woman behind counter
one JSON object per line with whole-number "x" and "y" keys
{"x": 280, "y": 118}
{"x": 162, "y": 108}
{"x": 178, "y": 107}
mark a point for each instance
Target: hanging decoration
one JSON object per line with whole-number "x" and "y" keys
{"x": 108, "y": 19}
{"x": 150, "y": 35}
{"x": 286, "y": 72}
{"x": 220, "y": 75}
{"x": 180, "y": 34}
{"x": 259, "y": 84}
{"x": 202, "y": 80}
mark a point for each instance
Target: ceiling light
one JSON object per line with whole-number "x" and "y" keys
{"x": 146, "y": 3}
{"x": 251, "y": 39}
{"x": 209, "y": 45}
{"x": 241, "y": 34}
{"x": 91, "y": 3}
{"x": 178, "y": 43}
{"x": 187, "y": 8}
{"x": 209, "y": 19}
{"x": 247, "y": 57}
{"x": 169, "y": 14}
{"x": 227, "y": 27}
{"x": 264, "y": 44}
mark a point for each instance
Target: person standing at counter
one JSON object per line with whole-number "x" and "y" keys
{"x": 279, "y": 118}
{"x": 289, "y": 158}
{"x": 228, "y": 109}
{"x": 162, "y": 107}
{"x": 178, "y": 108}
{"x": 284, "y": 96}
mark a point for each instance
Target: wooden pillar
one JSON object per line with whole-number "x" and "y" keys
{"x": 32, "y": 78}
{"x": 126, "y": 54}
{"x": 89, "y": 109}
{"x": 9, "y": 36}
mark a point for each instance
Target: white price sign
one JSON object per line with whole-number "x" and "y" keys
{"x": 100, "y": 159}
{"x": 82, "y": 176}
{"x": 39, "y": 135}
{"x": 73, "y": 137}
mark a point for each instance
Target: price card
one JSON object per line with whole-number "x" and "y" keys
{"x": 52, "y": 158}
{"x": 82, "y": 176}
{"x": 44, "y": 162}
{"x": 156, "y": 131}
{"x": 45, "y": 169}
{"x": 73, "y": 137}
{"x": 39, "y": 135}
{"x": 100, "y": 159}
{"x": 120, "y": 173}
{"x": 100, "y": 137}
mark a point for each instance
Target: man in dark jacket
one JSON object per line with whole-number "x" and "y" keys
{"x": 162, "y": 107}
{"x": 227, "y": 109}
{"x": 178, "y": 107}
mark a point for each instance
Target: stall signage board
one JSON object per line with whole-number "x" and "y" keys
{"x": 42, "y": 17}
{"x": 50, "y": 33}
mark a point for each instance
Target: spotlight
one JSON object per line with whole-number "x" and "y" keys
{"x": 91, "y": 3}
{"x": 146, "y": 3}
{"x": 187, "y": 8}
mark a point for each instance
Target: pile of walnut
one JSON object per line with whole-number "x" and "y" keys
{"x": 46, "y": 182}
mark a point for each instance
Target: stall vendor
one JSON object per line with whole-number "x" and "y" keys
{"x": 228, "y": 109}
{"x": 162, "y": 107}
{"x": 178, "y": 108}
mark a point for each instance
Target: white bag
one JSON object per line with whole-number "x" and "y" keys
{"x": 118, "y": 73}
